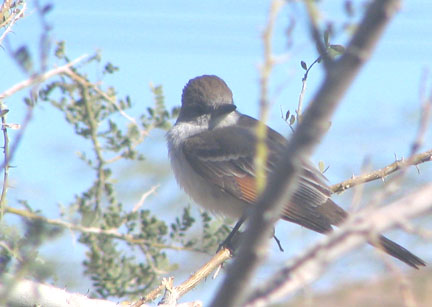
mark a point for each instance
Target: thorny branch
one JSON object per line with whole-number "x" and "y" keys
{"x": 382, "y": 172}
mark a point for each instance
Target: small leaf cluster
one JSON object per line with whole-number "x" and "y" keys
{"x": 118, "y": 269}
{"x": 130, "y": 266}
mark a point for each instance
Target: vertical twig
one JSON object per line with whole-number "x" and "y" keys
{"x": 97, "y": 147}
{"x": 3, "y": 111}
{"x": 267, "y": 66}
{"x": 303, "y": 90}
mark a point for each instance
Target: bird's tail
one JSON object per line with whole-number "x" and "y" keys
{"x": 337, "y": 215}
{"x": 397, "y": 251}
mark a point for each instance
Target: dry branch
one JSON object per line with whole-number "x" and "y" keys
{"x": 30, "y": 293}
{"x": 383, "y": 172}
{"x": 201, "y": 274}
{"x": 38, "y": 78}
{"x": 357, "y": 230}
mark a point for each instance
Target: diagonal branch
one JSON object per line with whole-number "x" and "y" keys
{"x": 233, "y": 290}
{"x": 201, "y": 274}
{"x": 38, "y": 78}
{"x": 382, "y": 172}
{"x": 354, "y": 232}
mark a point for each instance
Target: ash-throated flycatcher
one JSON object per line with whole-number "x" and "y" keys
{"x": 212, "y": 149}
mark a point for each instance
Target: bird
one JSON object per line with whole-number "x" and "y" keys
{"x": 212, "y": 148}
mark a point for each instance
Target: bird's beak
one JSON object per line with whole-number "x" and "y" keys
{"x": 224, "y": 109}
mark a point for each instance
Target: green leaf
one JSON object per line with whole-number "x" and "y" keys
{"x": 292, "y": 120}
{"x": 338, "y": 48}
{"x": 287, "y": 115}
{"x": 303, "y": 65}
{"x": 321, "y": 166}
{"x": 326, "y": 38}
{"x": 24, "y": 59}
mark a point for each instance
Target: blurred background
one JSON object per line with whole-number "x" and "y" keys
{"x": 169, "y": 42}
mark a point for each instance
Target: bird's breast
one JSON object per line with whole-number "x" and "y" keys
{"x": 203, "y": 192}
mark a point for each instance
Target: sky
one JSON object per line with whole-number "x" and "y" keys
{"x": 169, "y": 42}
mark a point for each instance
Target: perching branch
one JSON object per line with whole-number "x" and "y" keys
{"x": 201, "y": 274}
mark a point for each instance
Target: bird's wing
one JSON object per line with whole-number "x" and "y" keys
{"x": 225, "y": 157}
{"x": 226, "y": 160}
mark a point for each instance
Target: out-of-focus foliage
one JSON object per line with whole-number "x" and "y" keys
{"x": 126, "y": 249}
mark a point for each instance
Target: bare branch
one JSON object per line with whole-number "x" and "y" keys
{"x": 402, "y": 164}
{"x": 30, "y": 293}
{"x": 201, "y": 274}
{"x": 223, "y": 255}
{"x": 303, "y": 90}
{"x": 3, "y": 112}
{"x": 269, "y": 60}
{"x": 144, "y": 197}
{"x": 357, "y": 230}
{"x": 40, "y": 78}
{"x": 18, "y": 137}
{"x": 382, "y": 172}
{"x": 267, "y": 66}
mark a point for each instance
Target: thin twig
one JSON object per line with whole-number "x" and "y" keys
{"x": 84, "y": 82}
{"x": 265, "y": 71}
{"x": 143, "y": 132}
{"x": 144, "y": 197}
{"x": 18, "y": 137}
{"x": 113, "y": 233}
{"x": 382, "y": 172}
{"x": 38, "y": 78}
{"x": 15, "y": 18}
{"x": 303, "y": 90}
{"x": 97, "y": 148}
{"x": 3, "y": 112}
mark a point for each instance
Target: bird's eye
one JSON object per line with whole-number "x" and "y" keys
{"x": 196, "y": 110}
